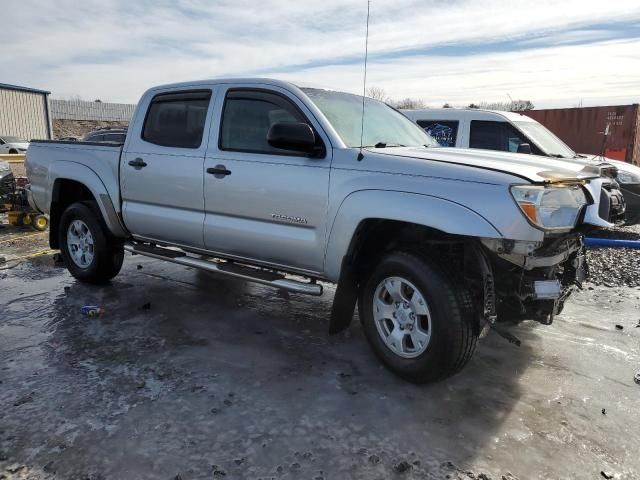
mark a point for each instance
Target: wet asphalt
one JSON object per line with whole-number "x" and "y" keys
{"x": 188, "y": 376}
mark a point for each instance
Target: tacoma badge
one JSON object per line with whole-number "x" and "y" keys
{"x": 288, "y": 218}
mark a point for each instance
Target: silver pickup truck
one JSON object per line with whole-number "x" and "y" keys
{"x": 261, "y": 180}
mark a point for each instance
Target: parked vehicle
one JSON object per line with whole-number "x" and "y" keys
{"x": 115, "y": 135}
{"x": 513, "y": 132}
{"x": 13, "y": 144}
{"x": 14, "y": 201}
{"x": 260, "y": 180}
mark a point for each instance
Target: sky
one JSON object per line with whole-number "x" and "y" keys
{"x": 559, "y": 53}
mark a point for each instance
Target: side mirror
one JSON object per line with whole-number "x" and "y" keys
{"x": 524, "y": 148}
{"x": 294, "y": 136}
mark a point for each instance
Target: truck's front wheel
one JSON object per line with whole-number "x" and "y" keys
{"x": 90, "y": 253}
{"x": 417, "y": 322}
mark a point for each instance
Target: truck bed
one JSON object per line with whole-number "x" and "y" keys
{"x": 98, "y": 159}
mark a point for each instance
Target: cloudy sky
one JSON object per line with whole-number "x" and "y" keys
{"x": 555, "y": 53}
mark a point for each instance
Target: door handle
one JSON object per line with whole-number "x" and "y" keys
{"x": 219, "y": 171}
{"x": 138, "y": 163}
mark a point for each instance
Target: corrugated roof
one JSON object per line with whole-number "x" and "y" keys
{"x": 23, "y": 89}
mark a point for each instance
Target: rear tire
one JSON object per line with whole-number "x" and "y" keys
{"x": 424, "y": 328}
{"x": 90, "y": 252}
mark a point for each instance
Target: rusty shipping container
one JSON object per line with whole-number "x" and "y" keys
{"x": 582, "y": 129}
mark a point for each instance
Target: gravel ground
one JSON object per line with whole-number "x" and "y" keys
{"x": 615, "y": 267}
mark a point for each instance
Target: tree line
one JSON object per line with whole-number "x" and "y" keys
{"x": 409, "y": 103}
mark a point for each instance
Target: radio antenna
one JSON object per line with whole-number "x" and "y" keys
{"x": 364, "y": 83}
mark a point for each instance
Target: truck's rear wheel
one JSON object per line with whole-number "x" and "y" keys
{"x": 417, "y": 322}
{"x": 90, "y": 253}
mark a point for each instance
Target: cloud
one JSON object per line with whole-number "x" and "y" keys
{"x": 451, "y": 51}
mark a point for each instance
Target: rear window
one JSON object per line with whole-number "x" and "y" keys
{"x": 177, "y": 119}
{"x": 444, "y": 131}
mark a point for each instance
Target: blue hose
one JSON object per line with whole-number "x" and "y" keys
{"x": 609, "y": 243}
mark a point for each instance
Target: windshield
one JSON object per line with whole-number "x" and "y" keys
{"x": 14, "y": 140}
{"x": 383, "y": 126}
{"x": 545, "y": 140}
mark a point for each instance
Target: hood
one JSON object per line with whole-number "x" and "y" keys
{"x": 23, "y": 145}
{"x": 531, "y": 167}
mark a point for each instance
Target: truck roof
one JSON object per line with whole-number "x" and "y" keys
{"x": 219, "y": 81}
{"x": 456, "y": 113}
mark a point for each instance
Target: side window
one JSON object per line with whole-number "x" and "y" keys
{"x": 444, "y": 131}
{"x": 247, "y": 117}
{"x": 177, "y": 119}
{"x": 514, "y": 138}
{"x": 486, "y": 135}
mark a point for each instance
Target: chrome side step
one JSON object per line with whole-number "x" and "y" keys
{"x": 242, "y": 272}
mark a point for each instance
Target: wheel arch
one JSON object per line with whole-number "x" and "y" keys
{"x": 76, "y": 183}
{"x": 404, "y": 220}
{"x": 363, "y": 213}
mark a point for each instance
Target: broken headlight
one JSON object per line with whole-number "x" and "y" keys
{"x": 550, "y": 207}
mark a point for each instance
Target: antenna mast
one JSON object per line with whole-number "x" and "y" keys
{"x": 364, "y": 83}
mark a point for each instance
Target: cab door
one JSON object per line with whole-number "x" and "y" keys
{"x": 262, "y": 203}
{"x": 161, "y": 169}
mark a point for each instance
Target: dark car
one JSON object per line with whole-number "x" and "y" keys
{"x": 111, "y": 135}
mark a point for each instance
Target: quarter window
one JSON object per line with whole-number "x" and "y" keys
{"x": 444, "y": 131}
{"x": 177, "y": 119}
{"x": 247, "y": 117}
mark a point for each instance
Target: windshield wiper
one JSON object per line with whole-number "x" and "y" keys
{"x": 385, "y": 145}
{"x": 556, "y": 155}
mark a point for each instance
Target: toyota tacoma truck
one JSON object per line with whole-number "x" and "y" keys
{"x": 264, "y": 181}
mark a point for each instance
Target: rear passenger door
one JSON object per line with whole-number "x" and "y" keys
{"x": 263, "y": 203}
{"x": 161, "y": 171}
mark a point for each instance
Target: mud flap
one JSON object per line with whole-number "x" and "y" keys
{"x": 344, "y": 300}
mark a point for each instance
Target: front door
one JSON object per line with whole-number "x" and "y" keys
{"x": 161, "y": 169}
{"x": 262, "y": 203}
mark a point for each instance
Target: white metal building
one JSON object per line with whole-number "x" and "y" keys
{"x": 24, "y": 112}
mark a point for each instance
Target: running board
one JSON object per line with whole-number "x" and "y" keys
{"x": 242, "y": 272}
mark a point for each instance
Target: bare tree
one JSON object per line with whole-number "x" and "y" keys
{"x": 409, "y": 103}
{"x": 377, "y": 93}
{"x": 513, "y": 106}
{"x": 446, "y": 105}
{"x": 521, "y": 106}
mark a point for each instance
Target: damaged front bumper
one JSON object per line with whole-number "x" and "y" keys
{"x": 533, "y": 279}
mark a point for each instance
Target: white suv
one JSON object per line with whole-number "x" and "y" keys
{"x": 514, "y": 132}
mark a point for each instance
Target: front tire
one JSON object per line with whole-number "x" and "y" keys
{"x": 89, "y": 251}
{"x": 417, "y": 321}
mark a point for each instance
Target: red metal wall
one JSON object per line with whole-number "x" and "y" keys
{"x": 581, "y": 129}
